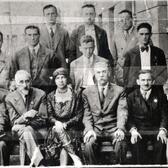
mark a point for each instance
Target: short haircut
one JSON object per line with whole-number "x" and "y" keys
{"x": 49, "y": 6}
{"x": 1, "y": 34}
{"x": 126, "y": 11}
{"x": 32, "y": 27}
{"x": 145, "y": 71}
{"x": 145, "y": 25}
{"x": 102, "y": 64}
{"x": 89, "y": 6}
{"x": 21, "y": 73}
{"x": 86, "y": 39}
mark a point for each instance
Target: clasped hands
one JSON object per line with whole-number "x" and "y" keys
{"x": 118, "y": 135}
{"x": 135, "y": 135}
{"x": 30, "y": 114}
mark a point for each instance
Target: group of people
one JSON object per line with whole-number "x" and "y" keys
{"x": 95, "y": 94}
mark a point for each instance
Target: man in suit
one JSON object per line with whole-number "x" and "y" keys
{"x": 81, "y": 69}
{"x": 35, "y": 59}
{"x": 123, "y": 40}
{"x": 4, "y": 66}
{"x": 90, "y": 28}
{"x": 105, "y": 114}
{"x": 28, "y": 113}
{"x": 53, "y": 36}
{"x": 148, "y": 112}
{"x": 144, "y": 56}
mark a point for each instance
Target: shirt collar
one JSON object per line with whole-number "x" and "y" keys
{"x": 92, "y": 28}
{"x": 105, "y": 88}
{"x": 146, "y": 92}
{"x": 36, "y": 48}
{"x": 49, "y": 27}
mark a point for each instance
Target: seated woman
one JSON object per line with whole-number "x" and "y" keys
{"x": 64, "y": 115}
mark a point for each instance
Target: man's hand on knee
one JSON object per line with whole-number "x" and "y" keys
{"x": 162, "y": 136}
{"x": 119, "y": 135}
{"x": 135, "y": 135}
{"x": 88, "y": 135}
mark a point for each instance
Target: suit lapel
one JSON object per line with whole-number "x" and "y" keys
{"x": 98, "y": 37}
{"x": 46, "y": 36}
{"x": 95, "y": 96}
{"x": 41, "y": 60}
{"x": 27, "y": 60}
{"x": 19, "y": 103}
{"x": 57, "y": 37}
{"x": 108, "y": 98}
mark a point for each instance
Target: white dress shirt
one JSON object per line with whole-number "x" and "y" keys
{"x": 145, "y": 59}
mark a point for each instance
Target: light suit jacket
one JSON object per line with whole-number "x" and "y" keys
{"x": 111, "y": 116}
{"x": 77, "y": 68}
{"x": 16, "y": 107}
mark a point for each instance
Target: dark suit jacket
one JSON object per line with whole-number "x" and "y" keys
{"x": 45, "y": 65}
{"x": 111, "y": 116}
{"x": 147, "y": 115}
{"x": 62, "y": 43}
{"x": 132, "y": 66}
{"x": 76, "y": 70}
{"x": 102, "y": 43}
{"x": 16, "y": 107}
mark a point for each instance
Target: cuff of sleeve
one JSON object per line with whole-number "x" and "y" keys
{"x": 164, "y": 129}
{"x": 132, "y": 129}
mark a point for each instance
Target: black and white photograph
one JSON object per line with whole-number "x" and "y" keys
{"x": 83, "y": 83}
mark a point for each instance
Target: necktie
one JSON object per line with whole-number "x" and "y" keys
{"x": 144, "y": 48}
{"x": 144, "y": 95}
{"x": 102, "y": 96}
{"x": 51, "y": 32}
{"x": 126, "y": 34}
{"x": 34, "y": 53}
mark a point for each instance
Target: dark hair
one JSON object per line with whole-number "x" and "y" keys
{"x": 32, "y": 27}
{"x": 49, "y": 6}
{"x": 145, "y": 25}
{"x": 89, "y": 6}
{"x": 126, "y": 11}
{"x": 144, "y": 71}
{"x": 1, "y": 34}
{"x": 86, "y": 39}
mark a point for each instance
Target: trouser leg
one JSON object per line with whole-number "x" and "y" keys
{"x": 120, "y": 151}
{"x": 159, "y": 153}
{"x": 27, "y": 135}
{"x": 90, "y": 151}
{"x": 4, "y": 154}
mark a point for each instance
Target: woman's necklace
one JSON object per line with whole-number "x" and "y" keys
{"x": 62, "y": 91}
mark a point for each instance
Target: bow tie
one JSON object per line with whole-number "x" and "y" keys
{"x": 146, "y": 48}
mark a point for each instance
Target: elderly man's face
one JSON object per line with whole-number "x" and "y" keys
{"x": 145, "y": 81}
{"x": 89, "y": 15}
{"x": 50, "y": 15}
{"x": 102, "y": 74}
{"x": 23, "y": 84}
{"x": 32, "y": 37}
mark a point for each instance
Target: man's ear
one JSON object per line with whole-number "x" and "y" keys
{"x": 137, "y": 81}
